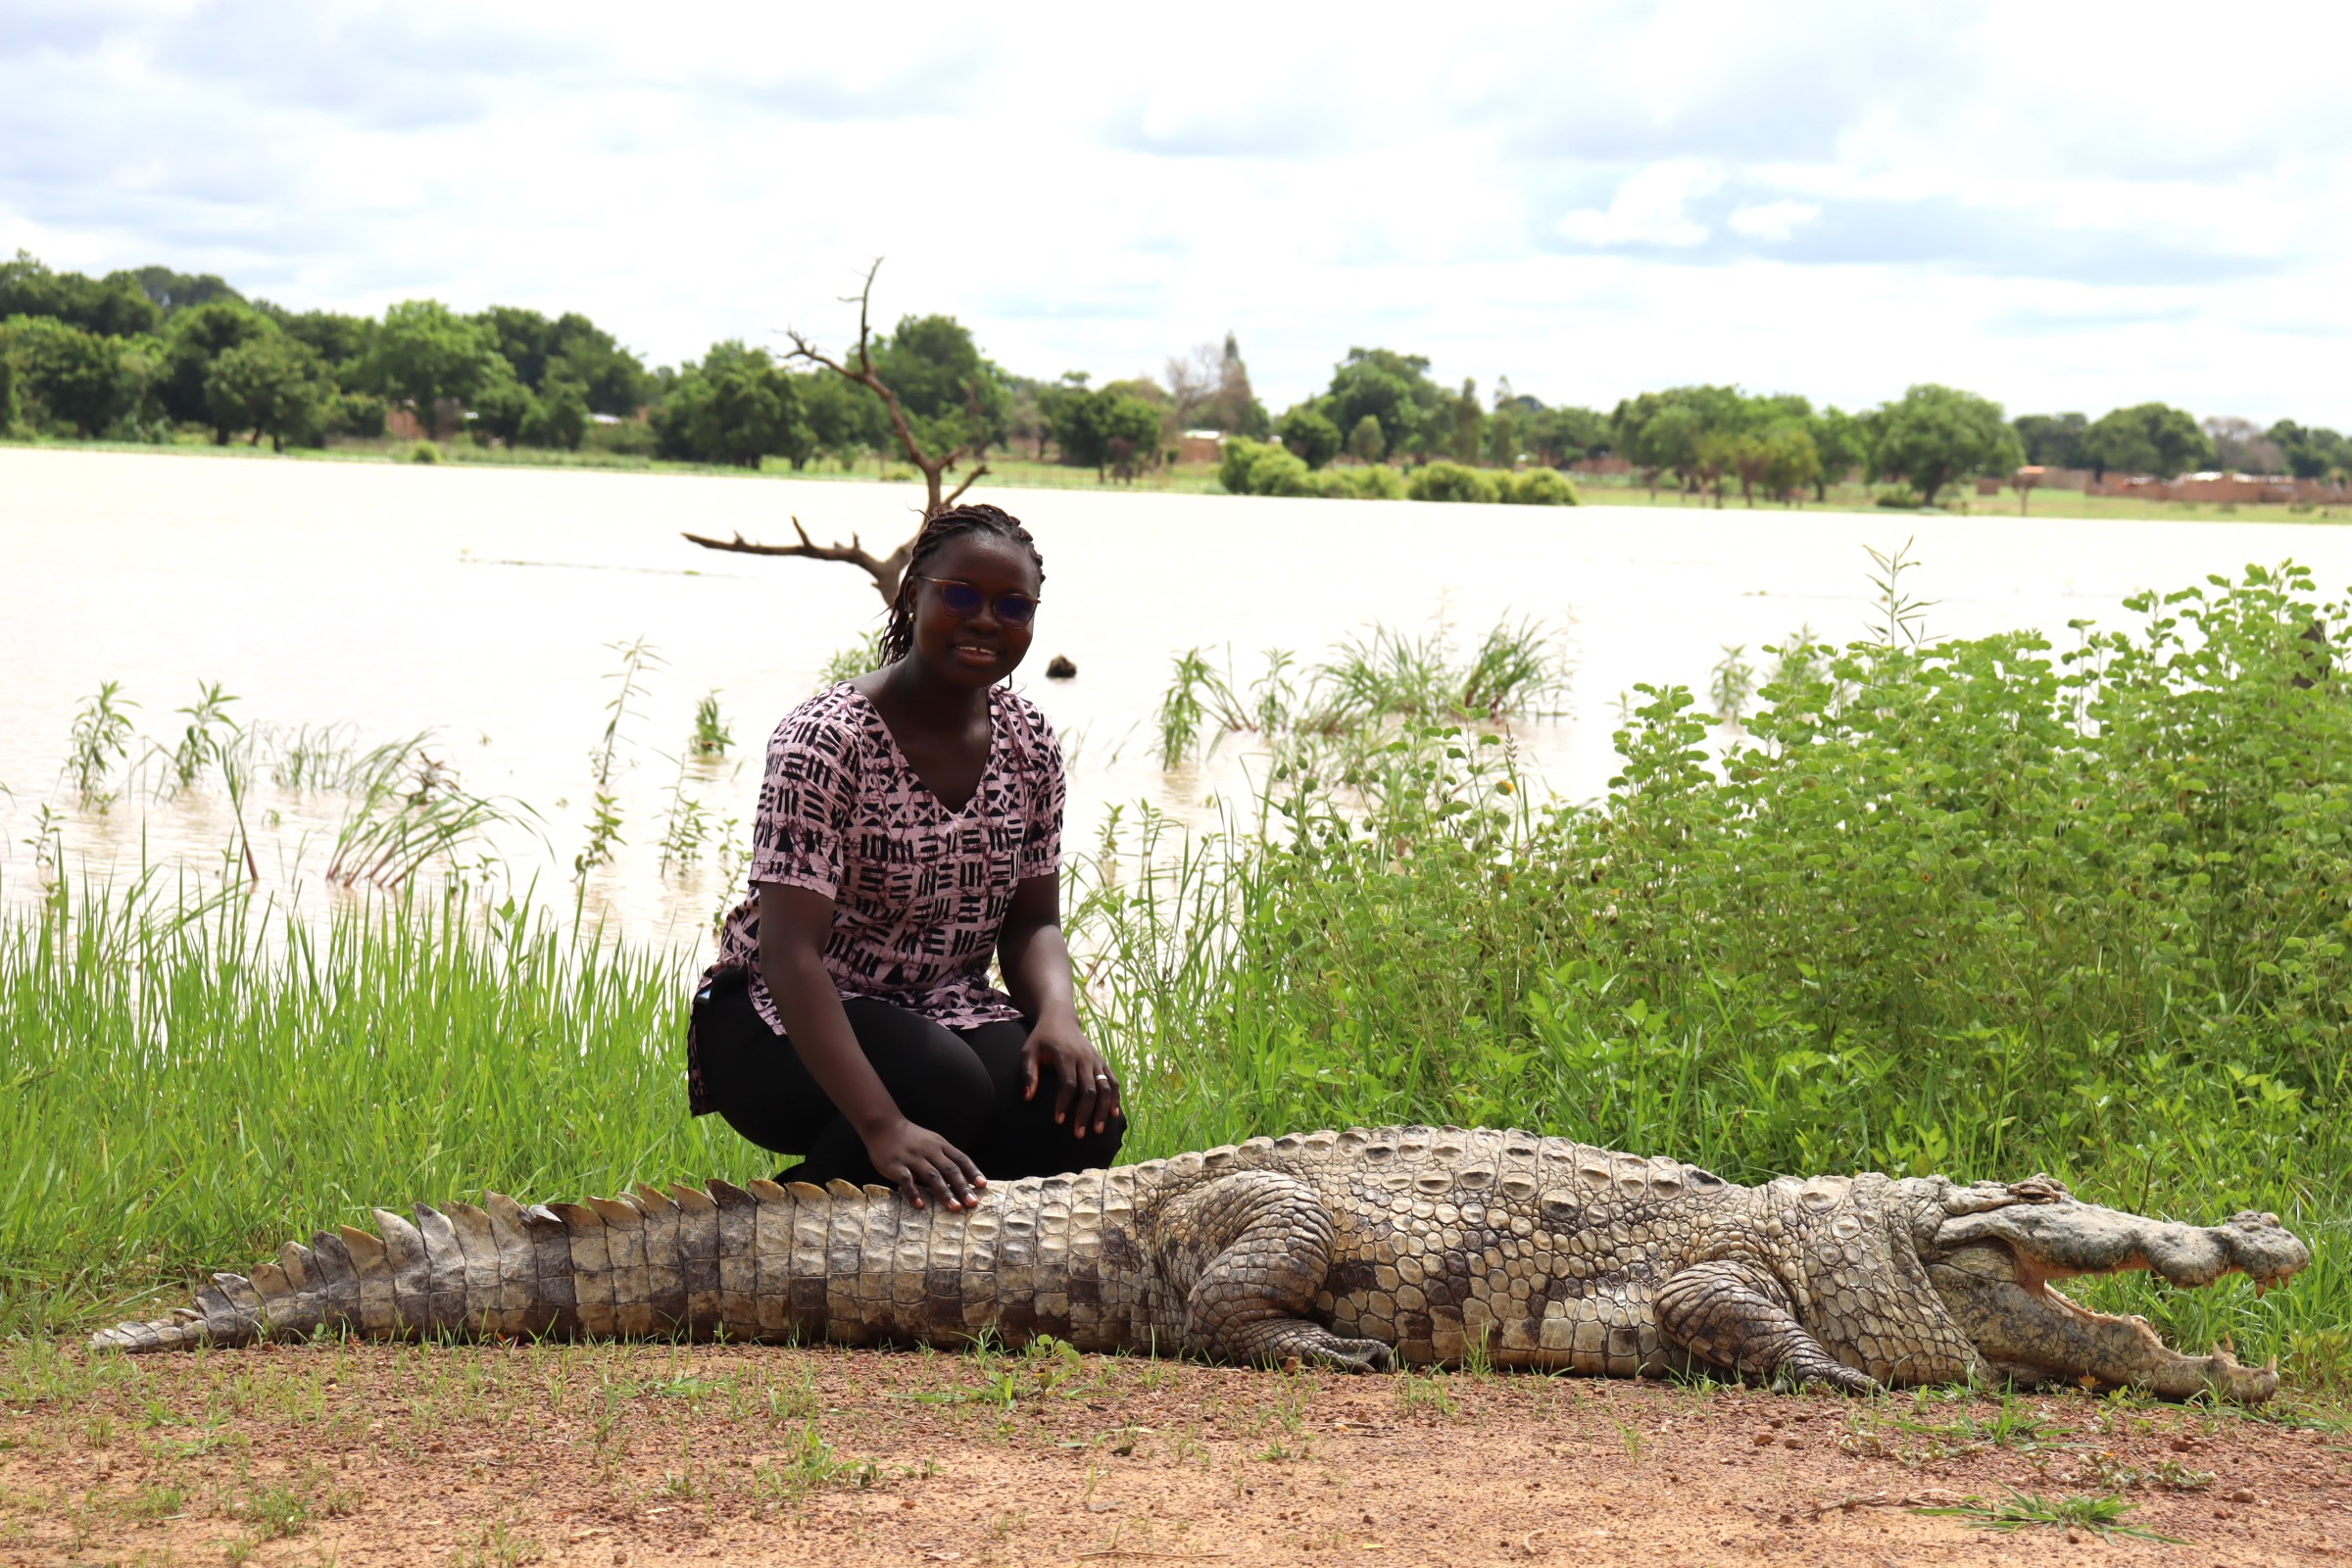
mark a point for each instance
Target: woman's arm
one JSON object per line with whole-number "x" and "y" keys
{"x": 795, "y": 924}
{"x": 1037, "y": 972}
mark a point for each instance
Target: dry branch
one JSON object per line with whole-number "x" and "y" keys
{"x": 888, "y": 570}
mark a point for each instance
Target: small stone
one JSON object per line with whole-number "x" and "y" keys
{"x": 1763, "y": 1440}
{"x": 2241, "y": 1494}
{"x": 1793, "y": 1441}
{"x": 1061, "y": 668}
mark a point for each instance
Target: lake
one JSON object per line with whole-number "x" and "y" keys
{"x": 481, "y": 603}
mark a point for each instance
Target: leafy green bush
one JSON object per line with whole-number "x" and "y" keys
{"x": 1538, "y": 488}
{"x": 1451, "y": 481}
{"x": 1233, "y": 463}
{"x": 1311, "y": 436}
{"x": 1901, "y": 497}
{"x": 1375, "y": 481}
{"x": 1279, "y": 473}
{"x": 1964, "y": 907}
{"x": 424, "y": 452}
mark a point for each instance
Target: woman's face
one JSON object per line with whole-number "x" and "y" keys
{"x": 979, "y": 648}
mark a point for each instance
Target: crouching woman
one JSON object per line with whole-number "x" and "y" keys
{"x": 909, "y": 827}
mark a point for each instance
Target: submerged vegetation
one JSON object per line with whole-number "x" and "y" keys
{"x": 1982, "y": 907}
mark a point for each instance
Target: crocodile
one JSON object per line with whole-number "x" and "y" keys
{"x": 1349, "y": 1250}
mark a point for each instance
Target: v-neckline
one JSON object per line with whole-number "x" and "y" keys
{"x": 988, "y": 763}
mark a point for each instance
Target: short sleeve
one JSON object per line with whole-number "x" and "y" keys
{"x": 1049, "y": 793}
{"x": 804, "y": 800}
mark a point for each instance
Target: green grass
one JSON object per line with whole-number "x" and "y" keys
{"x": 1969, "y": 907}
{"x": 185, "y": 1083}
{"x": 1972, "y": 906}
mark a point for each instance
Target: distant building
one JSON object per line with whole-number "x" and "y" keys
{"x": 1201, "y": 446}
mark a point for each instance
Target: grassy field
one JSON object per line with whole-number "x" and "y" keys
{"x": 1201, "y": 479}
{"x": 1969, "y": 907}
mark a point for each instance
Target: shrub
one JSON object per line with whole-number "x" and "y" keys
{"x": 1310, "y": 435}
{"x": 1539, "y": 487}
{"x": 1977, "y": 906}
{"x": 1232, "y": 466}
{"x": 424, "y": 452}
{"x": 1377, "y": 482}
{"x": 1451, "y": 481}
{"x": 1279, "y": 473}
{"x": 1901, "y": 497}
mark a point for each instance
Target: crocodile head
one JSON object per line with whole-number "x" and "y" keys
{"x": 1993, "y": 1249}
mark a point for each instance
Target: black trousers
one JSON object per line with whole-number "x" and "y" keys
{"x": 963, "y": 1084}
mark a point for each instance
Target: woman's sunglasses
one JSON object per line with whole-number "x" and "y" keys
{"x": 962, "y": 598}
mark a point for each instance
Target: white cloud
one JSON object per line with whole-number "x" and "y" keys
{"x": 1773, "y": 221}
{"x": 1591, "y": 198}
{"x": 1651, "y": 208}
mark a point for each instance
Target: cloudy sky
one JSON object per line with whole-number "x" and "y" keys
{"x": 2060, "y": 204}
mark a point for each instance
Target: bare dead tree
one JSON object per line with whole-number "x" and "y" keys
{"x": 885, "y": 571}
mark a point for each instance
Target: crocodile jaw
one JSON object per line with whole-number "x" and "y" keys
{"x": 1993, "y": 1253}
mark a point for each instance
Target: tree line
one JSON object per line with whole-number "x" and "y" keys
{"x": 140, "y": 354}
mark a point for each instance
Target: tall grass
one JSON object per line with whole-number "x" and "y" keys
{"x": 1975, "y": 907}
{"x": 1965, "y": 907}
{"x": 187, "y": 1080}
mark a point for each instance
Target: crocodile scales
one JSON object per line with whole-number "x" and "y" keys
{"x": 1350, "y": 1250}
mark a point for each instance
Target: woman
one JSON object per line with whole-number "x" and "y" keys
{"x": 909, "y": 824}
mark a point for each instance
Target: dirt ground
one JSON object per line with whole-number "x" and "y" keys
{"x": 501, "y": 1455}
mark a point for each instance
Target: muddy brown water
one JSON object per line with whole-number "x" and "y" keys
{"x": 479, "y": 602}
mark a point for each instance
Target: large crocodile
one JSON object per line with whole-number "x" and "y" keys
{"x": 1349, "y": 1250}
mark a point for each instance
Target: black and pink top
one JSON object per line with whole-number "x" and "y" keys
{"x": 919, "y": 892}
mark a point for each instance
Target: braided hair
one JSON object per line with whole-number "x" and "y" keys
{"x": 950, "y": 522}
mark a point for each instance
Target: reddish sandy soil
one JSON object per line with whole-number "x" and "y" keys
{"x": 501, "y": 1455}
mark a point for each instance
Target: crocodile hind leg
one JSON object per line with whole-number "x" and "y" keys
{"x": 1248, "y": 1253}
{"x": 1736, "y": 1315}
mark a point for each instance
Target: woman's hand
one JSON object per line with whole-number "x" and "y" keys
{"x": 918, "y": 1160}
{"x": 1086, "y": 1096}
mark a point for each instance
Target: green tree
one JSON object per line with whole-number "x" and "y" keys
{"x": 736, "y": 407}
{"x": 113, "y": 305}
{"x": 178, "y": 291}
{"x": 338, "y": 339}
{"x": 952, "y": 394}
{"x": 2312, "y": 452}
{"x": 501, "y": 406}
{"x": 12, "y": 397}
{"x": 1131, "y": 429}
{"x": 1565, "y": 435}
{"x": 427, "y": 356}
{"x": 1469, "y": 423}
{"x": 193, "y": 339}
{"x": 2152, "y": 438}
{"x": 844, "y": 418}
{"x": 1841, "y": 446}
{"x": 1314, "y": 438}
{"x": 1392, "y": 388}
{"x": 1790, "y": 461}
{"x": 2054, "y": 440}
{"x": 558, "y": 417}
{"x": 272, "y": 386}
{"x": 71, "y": 375}
{"x": 1936, "y": 435}
{"x": 1366, "y": 443}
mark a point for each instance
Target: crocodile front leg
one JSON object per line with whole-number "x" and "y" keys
{"x": 1248, "y": 1253}
{"x": 1736, "y": 1315}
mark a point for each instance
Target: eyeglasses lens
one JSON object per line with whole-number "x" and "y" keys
{"x": 962, "y": 598}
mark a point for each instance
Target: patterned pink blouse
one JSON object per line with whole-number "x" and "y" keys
{"x": 919, "y": 892}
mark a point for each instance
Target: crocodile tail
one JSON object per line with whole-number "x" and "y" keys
{"x": 762, "y": 1262}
